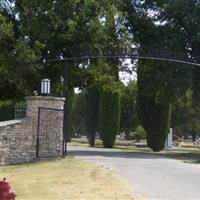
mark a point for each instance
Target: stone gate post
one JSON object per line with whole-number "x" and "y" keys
{"x": 55, "y": 120}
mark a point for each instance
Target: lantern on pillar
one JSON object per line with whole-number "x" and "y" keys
{"x": 45, "y": 87}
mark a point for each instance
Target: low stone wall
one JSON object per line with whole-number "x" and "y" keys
{"x": 17, "y": 143}
{"x": 18, "y": 138}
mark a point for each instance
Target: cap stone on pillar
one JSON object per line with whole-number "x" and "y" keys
{"x": 33, "y": 103}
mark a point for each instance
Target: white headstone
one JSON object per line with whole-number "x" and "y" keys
{"x": 169, "y": 142}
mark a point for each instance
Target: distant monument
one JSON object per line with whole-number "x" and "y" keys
{"x": 169, "y": 142}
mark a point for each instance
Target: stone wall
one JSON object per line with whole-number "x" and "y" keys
{"x": 18, "y": 138}
{"x": 16, "y": 141}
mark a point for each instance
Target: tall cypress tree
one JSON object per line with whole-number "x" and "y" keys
{"x": 69, "y": 105}
{"x": 92, "y": 110}
{"x": 196, "y": 89}
{"x": 153, "y": 106}
{"x": 109, "y": 117}
{"x": 109, "y": 108}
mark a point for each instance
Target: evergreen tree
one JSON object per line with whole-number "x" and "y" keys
{"x": 153, "y": 104}
{"x": 159, "y": 83}
{"x": 109, "y": 115}
{"x": 92, "y": 114}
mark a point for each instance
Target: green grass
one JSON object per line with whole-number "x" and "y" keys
{"x": 64, "y": 179}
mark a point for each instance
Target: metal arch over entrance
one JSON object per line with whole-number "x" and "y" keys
{"x": 128, "y": 53}
{"x": 75, "y": 54}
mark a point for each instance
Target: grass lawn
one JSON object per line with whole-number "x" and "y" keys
{"x": 63, "y": 180}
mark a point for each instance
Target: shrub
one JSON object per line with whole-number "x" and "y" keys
{"x": 7, "y": 110}
{"x": 139, "y": 134}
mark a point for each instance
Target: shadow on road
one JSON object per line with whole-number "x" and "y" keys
{"x": 113, "y": 154}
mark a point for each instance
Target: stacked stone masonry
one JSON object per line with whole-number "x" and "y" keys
{"x": 18, "y": 138}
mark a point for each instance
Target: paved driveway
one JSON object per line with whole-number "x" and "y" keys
{"x": 150, "y": 176}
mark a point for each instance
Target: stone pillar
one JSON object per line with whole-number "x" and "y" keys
{"x": 18, "y": 138}
{"x": 33, "y": 103}
{"x": 51, "y": 123}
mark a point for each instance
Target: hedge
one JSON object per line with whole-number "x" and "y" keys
{"x": 7, "y": 110}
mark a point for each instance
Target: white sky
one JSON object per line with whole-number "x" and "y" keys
{"x": 125, "y": 77}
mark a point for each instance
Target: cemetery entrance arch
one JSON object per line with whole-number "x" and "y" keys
{"x": 75, "y": 54}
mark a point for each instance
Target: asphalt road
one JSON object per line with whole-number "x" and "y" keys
{"x": 149, "y": 176}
